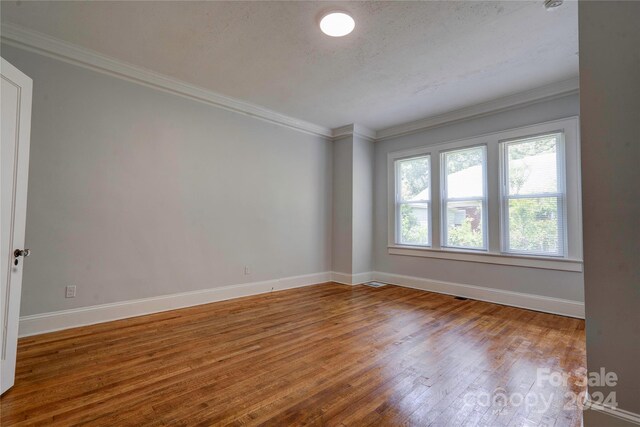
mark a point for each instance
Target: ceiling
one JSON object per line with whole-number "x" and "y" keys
{"x": 403, "y": 62}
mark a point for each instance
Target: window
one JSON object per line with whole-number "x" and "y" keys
{"x": 413, "y": 195}
{"x": 512, "y": 197}
{"x": 533, "y": 196}
{"x": 464, "y": 198}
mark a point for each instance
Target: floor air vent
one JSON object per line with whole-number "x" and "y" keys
{"x": 375, "y": 284}
{"x": 460, "y": 298}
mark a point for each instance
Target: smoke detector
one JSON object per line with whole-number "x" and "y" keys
{"x": 552, "y": 4}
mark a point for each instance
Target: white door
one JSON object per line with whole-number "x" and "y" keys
{"x": 15, "y": 126}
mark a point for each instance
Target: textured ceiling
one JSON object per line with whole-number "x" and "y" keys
{"x": 404, "y": 61}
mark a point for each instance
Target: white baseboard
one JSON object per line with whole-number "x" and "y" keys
{"x": 351, "y": 279}
{"x": 597, "y": 414}
{"x": 65, "y": 319}
{"x": 516, "y": 299}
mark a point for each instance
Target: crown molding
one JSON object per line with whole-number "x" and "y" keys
{"x": 517, "y": 100}
{"x": 353, "y": 129}
{"x": 20, "y": 37}
{"x": 43, "y": 44}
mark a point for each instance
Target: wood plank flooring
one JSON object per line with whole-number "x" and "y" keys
{"x": 321, "y": 355}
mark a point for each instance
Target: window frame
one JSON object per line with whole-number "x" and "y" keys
{"x": 399, "y": 202}
{"x": 560, "y": 195}
{"x": 444, "y": 200}
{"x": 495, "y": 252}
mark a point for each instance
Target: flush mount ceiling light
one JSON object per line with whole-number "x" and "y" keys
{"x": 337, "y": 24}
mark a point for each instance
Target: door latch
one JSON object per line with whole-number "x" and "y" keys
{"x": 20, "y": 253}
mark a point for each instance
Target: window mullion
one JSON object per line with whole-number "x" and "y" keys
{"x": 436, "y": 195}
{"x": 493, "y": 196}
{"x": 465, "y": 199}
{"x": 533, "y": 196}
{"x": 408, "y": 202}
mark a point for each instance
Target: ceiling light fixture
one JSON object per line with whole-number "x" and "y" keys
{"x": 337, "y": 24}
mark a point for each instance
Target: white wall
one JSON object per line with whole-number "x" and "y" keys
{"x": 136, "y": 193}
{"x": 549, "y": 283}
{"x": 610, "y": 108}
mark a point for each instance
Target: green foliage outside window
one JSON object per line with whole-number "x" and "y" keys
{"x": 533, "y": 225}
{"x": 533, "y": 222}
{"x": 464, "y": 235}
{"x": 463, "y": 160}
{"x": 414, "y": 177}
{"x": 412, "y": 231}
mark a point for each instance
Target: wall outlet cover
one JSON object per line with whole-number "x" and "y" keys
{"x": 70, "y": 291}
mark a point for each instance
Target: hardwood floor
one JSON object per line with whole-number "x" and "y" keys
{"x": 321, "y": 355}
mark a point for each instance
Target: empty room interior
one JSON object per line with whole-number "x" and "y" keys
{"x": 286, "y": 213}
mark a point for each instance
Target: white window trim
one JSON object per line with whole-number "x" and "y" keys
{"x": 484, "y": 201}
{"x": 399, "y": 202}
{"x": 560, "y": 196}
{"x": 572, "y": 259}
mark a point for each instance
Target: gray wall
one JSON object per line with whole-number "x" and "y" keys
{"x": 610, "y": 127}
{"x": 137, "y": 193}
{"x": 353, "y": 205}
{"x": 342, "y": 205}
{"x": 363, "y": 154}
{"x": 558, "y": 284}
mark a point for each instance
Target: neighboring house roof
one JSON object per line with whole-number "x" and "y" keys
{"x": 538, "y": 176}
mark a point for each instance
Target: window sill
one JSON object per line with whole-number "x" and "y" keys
{"x": 562, "y": 264}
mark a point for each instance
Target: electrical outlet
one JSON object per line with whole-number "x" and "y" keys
{"x": 247, "y": 270}
{"x": 70, "y": 291}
